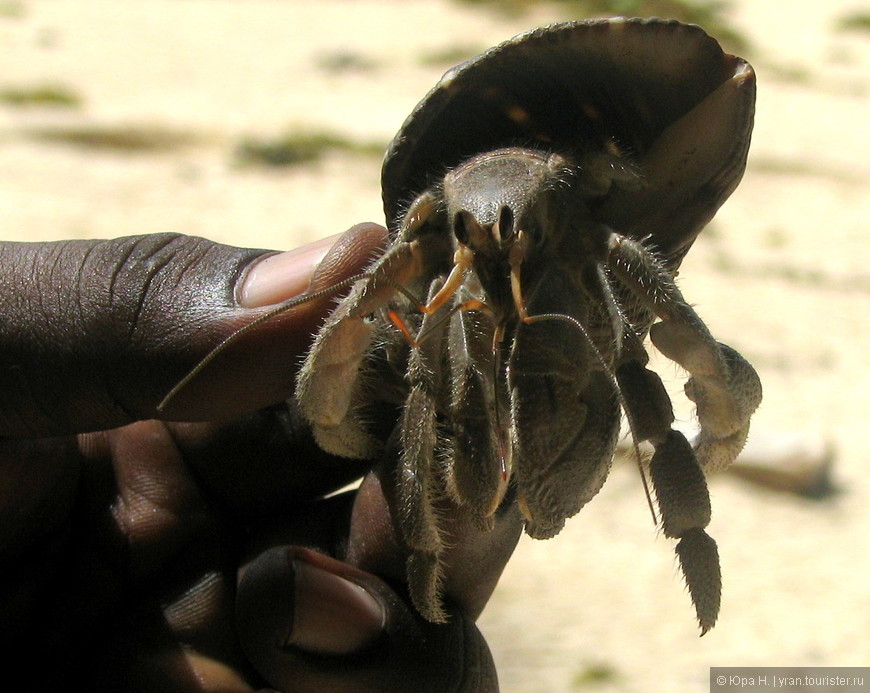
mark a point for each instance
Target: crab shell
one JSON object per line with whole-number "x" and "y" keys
{"x": 659, "y": 92}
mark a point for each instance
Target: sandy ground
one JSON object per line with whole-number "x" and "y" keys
{"x": 781, "y": 275}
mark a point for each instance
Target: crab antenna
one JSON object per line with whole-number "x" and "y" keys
{"x": 227, "y": 341}
{"x": 619, "y": 396}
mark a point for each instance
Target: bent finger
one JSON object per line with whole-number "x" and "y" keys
{"x": 309, "y": 622}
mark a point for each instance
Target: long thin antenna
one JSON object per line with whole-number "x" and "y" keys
{"x": 277, "y": 310}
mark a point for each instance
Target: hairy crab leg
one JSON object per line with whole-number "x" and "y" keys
{"x": 723, "y": 385}
{"x": 416, "y": 480}
{"x": 726, "y": 391}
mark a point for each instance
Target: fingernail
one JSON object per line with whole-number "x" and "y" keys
{"x": 280, "y": 277}
{"x": 332, "y": 615}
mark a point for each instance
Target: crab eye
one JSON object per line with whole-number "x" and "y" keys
{"x": 505, "y": 223}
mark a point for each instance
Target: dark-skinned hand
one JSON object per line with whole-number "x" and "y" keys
{"x": 137, "y": 554}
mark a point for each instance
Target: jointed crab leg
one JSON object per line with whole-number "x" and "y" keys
{"x": 723, "y": 385}
{"x": 479, "y": 454}
{"x": 416, "y": 480}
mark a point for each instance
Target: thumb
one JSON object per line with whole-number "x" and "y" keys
{"x": 94, "y": 334}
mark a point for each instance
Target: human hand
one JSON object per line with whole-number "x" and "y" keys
{"x": 138, "y": 554}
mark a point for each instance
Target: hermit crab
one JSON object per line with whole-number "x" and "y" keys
{"x": 540, "y": 200}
